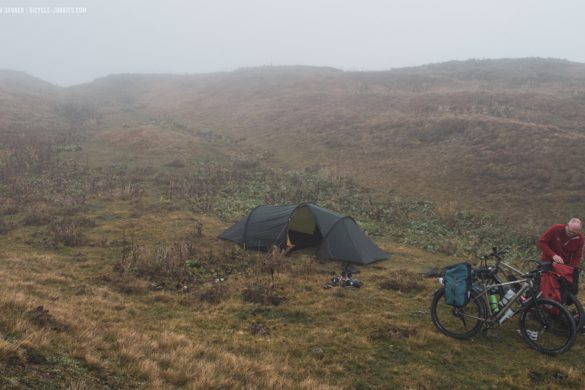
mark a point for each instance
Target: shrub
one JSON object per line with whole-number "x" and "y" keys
{"x": 8, "y": 207}
{"x": 261, "y": 295}
{"x": 39, "y": 216}
{"x": 175, "y": 164}
{"x": 67, "y": 231}
{"x": 164, "y": 265}
{"x": 33, "y": 219}
{"x": 213, "y": 294}
{"x": 5, "y": 227}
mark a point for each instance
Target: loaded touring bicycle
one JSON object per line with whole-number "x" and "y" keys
{"x": 475, "y": 298}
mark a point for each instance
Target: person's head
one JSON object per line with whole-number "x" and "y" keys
{"x": 574, "y": 227}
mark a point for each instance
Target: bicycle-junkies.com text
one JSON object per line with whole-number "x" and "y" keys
{"x": 43, "y": 10}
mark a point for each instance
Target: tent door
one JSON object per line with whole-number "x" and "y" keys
{"x": 303, "y": 231}
{"x": 303, "y": 240}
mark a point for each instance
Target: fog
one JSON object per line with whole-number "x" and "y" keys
{"x": 92, "y": 39}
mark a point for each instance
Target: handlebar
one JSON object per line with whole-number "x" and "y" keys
{"x": 496, "y": 254}
{"x": 540, "y": 263}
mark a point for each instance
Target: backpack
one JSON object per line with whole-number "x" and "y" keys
{"x": 457, "y": 282}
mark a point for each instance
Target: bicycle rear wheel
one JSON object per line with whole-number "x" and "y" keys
{"x": 547, "y": 326}
{"x": 576, "y": 310}
{"x": 458, "y": 322}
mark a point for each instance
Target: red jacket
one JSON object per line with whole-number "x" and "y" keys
{"x": 556, "y": 242}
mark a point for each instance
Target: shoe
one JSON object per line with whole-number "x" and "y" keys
{"x": 532, "y": 334}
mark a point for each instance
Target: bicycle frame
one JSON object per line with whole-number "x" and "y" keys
{"x": 498, "y": 317}
{"x": 515, "y": 270}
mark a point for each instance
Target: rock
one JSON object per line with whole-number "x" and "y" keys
{"x": 318, "y": 352}
{"x": 259, "y": 329}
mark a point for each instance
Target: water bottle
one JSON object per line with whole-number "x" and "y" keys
{"x": 493, "y": 298}
{"x": 506, "y": 298}
{"x": 506, "y": 315}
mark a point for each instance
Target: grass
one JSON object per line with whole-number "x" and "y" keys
{"x": 95, "y": 222}
{"x": 121, "y": 333}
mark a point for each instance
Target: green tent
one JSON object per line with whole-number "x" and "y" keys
{"x": 305, "y": 225}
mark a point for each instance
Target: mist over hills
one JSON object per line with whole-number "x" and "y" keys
{"x": 497, "y": 135}
{"x": 113, "y": 194}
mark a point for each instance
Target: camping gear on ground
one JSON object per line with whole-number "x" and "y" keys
{"x": 304, "y": 225}
{"x": 343, "y": 280}
{"x": 457, "y": 282}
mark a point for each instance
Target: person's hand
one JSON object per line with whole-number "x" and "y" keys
{"x": 558, "y": 259}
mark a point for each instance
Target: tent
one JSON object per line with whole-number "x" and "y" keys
{"x": 305, "y": 225}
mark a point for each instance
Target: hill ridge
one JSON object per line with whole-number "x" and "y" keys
{"x": 435, "y": 131}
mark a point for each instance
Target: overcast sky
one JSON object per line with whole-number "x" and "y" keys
{"x": 100, "y": 37}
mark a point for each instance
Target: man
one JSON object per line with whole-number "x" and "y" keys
{"x": 563, "y": 244}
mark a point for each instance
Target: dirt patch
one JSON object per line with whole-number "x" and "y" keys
{"x": 404, "y": 281}
{"x": 393, "y": 332}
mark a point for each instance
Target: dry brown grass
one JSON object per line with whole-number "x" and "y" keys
{"x": 403, "y": 281}
{"x": 89, "y": 319}
{"x": 151, "y": 139}
{"x": 317, "y": 339}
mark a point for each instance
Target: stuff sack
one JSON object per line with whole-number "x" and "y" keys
{"x": 553, "y": 280}
{"x": 353, "y": 283}
{"x": 457, "y": 282}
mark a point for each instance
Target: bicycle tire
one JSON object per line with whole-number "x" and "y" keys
{"x": 460, "y": 323}
{"x": 547, "y": 326}
{"x": 576, "y": 310}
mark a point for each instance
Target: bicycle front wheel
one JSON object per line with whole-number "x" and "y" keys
{"x": 458, "y": 322}
{"x": 547, "y": 327}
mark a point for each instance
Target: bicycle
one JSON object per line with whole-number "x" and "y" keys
{"x": 488, "y": 274}
{"x": 545, "y": 325}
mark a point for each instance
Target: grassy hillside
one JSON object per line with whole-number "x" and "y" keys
{"x": 499, "y": 135}
{"x": 111, "y": 277}
{"x": 112, "y": 195}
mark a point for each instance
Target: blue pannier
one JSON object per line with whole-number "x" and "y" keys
{"x": 457, "y": 281}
